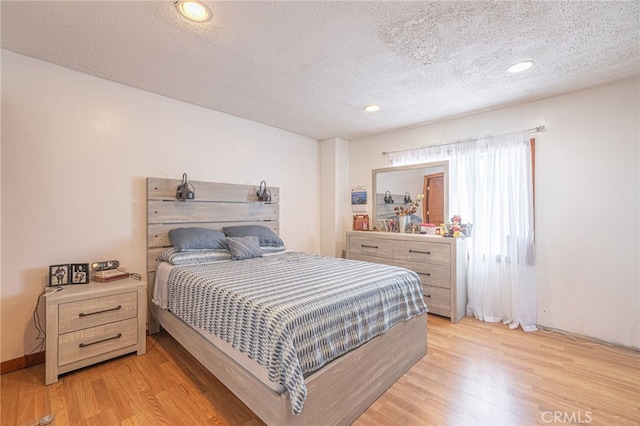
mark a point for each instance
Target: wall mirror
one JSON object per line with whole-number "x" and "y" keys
{"x": 393, "y": 186}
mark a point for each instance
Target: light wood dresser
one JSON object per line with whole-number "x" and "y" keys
{"x": 440, "y": 262}
{"x": 90, "y": 323}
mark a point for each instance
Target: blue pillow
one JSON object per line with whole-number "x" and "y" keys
{"x": 266, "y": 236}
{"x": 244, "y": 247}
{"x": 197, "y": 239}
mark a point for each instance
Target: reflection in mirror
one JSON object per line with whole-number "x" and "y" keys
{"x": 392, "y": 185}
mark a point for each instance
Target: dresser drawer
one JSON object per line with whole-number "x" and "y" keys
{"x": 438, "y": 300}
{"x": 373, "y": 259}
{"x": 371, "y": 246}
{"x": 96, "y": 311}
{"x": 418, "y": 251}
{"x": 430, "y": 274}
{"x": 441, "y": 264}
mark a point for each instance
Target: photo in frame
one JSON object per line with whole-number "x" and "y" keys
{"x": 79, "y": 273}
{"x": 58, "y": 275}
{"x": 359, "y": 199}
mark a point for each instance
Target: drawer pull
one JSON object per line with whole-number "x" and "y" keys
{"x": 427, "y": 295}
{"x": 117, "y": 308}
{"x": 418, "y": 251}
{"x": 117, "y": 336}
{"x": 426, "y": 274}
{"x": 364, "y": 245}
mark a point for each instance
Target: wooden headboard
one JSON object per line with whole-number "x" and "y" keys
{"x": 215, "y": 206}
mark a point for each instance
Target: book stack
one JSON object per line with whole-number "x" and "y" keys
{"x": 110, "y": 275}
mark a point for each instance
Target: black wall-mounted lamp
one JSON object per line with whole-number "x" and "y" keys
{"x": 185, "y": 191}
{"x": 263, "y": 192}
{"x": 388, "y": 199}
{"x": 407, "y": 198}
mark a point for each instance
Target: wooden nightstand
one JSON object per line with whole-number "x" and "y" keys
{"x": 90, "y": 323}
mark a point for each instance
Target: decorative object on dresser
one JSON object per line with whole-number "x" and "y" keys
{"x": 456, "y": 229}
{"x": 428, "y": 228}
{"x": 440, "y": 262}
{"x": 93, "y": 323}
{"x": 405, "y": 213}
{"x": 360, "y": 222}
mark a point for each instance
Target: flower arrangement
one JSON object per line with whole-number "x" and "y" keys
{"x": 413, "y": 207}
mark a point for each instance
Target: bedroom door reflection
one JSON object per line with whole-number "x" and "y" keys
{"x": 433, "y": 207}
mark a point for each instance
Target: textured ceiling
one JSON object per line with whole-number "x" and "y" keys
{"x": 310, "y": 67}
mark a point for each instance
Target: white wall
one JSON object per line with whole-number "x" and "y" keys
{"x": 334, "y": 195}
{"x": 76, "y": 151}
{"x": 587, "y": 200}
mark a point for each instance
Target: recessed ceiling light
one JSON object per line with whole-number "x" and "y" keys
{"x": 193, "y": 10}
{"x": 520, "y": 66}
{"x": 371, "y": 108}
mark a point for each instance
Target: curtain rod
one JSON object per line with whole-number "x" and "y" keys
{"x": 536, "y": 129}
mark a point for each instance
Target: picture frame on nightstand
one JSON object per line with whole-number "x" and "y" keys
{"x": 58, "y": 275}
{"x": 79, "y": 273}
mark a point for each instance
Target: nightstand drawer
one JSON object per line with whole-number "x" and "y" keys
{"x": 438, "y": 300}
{"x": 96, "y": 311}
{"x": 371, "y": 246}
{"x": 94, "y": 341}
{"x": 417, "y": 251}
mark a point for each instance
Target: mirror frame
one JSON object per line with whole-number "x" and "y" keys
{"x": 374, "y": 180}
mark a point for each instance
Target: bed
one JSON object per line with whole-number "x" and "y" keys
{"x": 300, "y": 389}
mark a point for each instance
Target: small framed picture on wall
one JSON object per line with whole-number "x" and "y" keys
{"x": 79, "y": 273}
{"x": 58, "y": 275}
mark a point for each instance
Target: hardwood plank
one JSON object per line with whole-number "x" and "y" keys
{"x": 192, "y": 213}
{"x": 474, "y": 373}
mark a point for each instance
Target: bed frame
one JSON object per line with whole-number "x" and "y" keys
{"x": 337, "y": 393}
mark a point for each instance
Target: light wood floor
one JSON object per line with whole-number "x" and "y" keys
{"x": 475, "y": 374}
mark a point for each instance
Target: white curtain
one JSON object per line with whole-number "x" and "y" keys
{"x": 491, "y": 187}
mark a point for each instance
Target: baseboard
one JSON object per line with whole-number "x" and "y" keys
{"x": 593, "y": 340}
{"x": 22, "y": 362}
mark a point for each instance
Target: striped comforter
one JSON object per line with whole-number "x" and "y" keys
{"x": 294, "y": 312}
